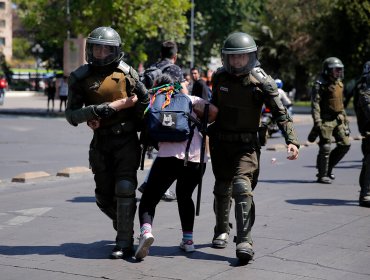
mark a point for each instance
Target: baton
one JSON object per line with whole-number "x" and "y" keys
{"x": 202, "y": 152}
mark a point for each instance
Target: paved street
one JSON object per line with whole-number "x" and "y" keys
{"x": 51, "y": 228}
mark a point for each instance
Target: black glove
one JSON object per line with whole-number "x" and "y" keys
{"x": 141, "y": 92}
{"x": 103, "y": 111}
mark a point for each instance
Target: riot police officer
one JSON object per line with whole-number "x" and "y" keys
{"x": 329, "y": 117}
{"x": 240, "y": 88}
{"x": 361, "y": 104}
{"x": 106, "y": 93}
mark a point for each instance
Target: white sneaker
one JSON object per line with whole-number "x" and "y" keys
{"x": 146, "y": 240}
{"x": 187, "y": 246}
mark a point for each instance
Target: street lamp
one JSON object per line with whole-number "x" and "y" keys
{"x": 192, "y": 35}
{"x": 37, "y": 50}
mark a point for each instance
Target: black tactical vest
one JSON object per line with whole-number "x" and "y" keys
{"x": 238, "y": 104}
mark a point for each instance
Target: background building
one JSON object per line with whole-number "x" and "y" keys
{"x": 6, "y": 36}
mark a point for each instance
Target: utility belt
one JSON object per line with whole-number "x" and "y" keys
{"x": 246, "y": 137}
{"x": 116, "y": 129}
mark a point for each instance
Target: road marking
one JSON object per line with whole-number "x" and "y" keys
{"x": 26, "y": 215}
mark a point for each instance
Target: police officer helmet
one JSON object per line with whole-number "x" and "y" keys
{"x": 105, "y": 37}
{"x": 239, "y": 43}
{"x": 279, "y": 83}
{"x": 330, "y": 64}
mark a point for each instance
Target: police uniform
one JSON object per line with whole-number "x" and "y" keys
{"x": 330, "y": 118}
{"x": 361, "y": 104}
{"x": 114, "y": 153}
{"x": 235, "y": 148}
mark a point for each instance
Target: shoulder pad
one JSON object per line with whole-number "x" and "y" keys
{"x": 268, "y": 83}
{"x": 134, "y": 74}
{"x": 260, "y": 75}
{"x": 124, "y": 67}
{"x": 220, "y": 70}
{"x": 81, "y": 72}
{"x": 321, "y": 80}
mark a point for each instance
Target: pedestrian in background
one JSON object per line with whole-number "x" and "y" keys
{"x": 63, "y": 93}
{"x": 50, "y": 91}
{"x": 361, "y": 104}
{"x": 284, "y": 97}
{"x": 240, "y": 88}
{"x": 107, "y": 94}
{"x": 3, "y": 87}
{"x": 200, "y": 87}
{"x": 329, "y": 118}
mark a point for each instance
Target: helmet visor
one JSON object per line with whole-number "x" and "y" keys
{"x": 337, "y": 73}
{"x": 100, "y": 54}
{"x": 239, "y": 63}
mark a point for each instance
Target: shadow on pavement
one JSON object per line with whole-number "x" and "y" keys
{"x": 82, "y": 199}
{"x": 323, "y": 202}
{"x": 95, "y": 250}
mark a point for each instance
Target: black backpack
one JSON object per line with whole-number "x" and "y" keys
{"x": 152, "y": 73}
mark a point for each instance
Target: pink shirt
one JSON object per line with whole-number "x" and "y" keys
{"x": 177, "y": 149}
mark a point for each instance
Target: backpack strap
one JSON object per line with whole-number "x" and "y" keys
{"x": 196, "y": 123}
{"x": 164, "y": 67}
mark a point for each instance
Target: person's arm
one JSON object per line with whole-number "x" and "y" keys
{"x": 184, "y": 88}
{"x": 315, "y": 105}
{"x": 124, "y": 103}
{"x": 198, "y": 107}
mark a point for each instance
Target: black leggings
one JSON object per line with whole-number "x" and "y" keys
{"x": 164, "y": 171}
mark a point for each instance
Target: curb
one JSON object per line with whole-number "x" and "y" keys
{"x": 29, "y": 176}
{"x": 69, "y": 172}
{"x": 73, "y": 171}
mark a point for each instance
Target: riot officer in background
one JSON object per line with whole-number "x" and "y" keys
{"x": 329, "y": 118}
{"x": 361, "y": 104}
{"x": 240, "y": 88}
{"x": 106, "y": 93}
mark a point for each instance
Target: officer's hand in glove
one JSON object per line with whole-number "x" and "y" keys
{"x": 103, "y": 111}
{"x": 141, "y": 92}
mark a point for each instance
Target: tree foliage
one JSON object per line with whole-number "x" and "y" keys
{"x": 136, "y": 21}
{"x": 294, "y": 36}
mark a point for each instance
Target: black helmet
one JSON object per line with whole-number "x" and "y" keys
{"x": 331, "y": 63}
{"x": 239, "y": 43}
{"x": 103, "y": 36}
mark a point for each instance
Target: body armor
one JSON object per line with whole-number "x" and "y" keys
{"x": 239, "y": 104}
{"x": 98, "y": 88}
{"x": 332, "y": 97}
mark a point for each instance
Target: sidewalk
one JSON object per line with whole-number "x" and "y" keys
{"x": 29, "y": 103}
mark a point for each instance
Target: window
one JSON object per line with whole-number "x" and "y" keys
{"x": 2, "y": 41}
{"x": 2, "y": 5}
{"x": 2, "y": 22}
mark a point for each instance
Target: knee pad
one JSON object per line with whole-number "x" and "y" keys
{"x": 325, "y": 149}
{"x": 242, "y": 187}
{"x": 125, "y": 188}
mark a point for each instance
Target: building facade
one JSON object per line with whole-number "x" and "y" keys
{"x": 6, "y": 35}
